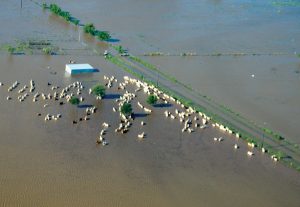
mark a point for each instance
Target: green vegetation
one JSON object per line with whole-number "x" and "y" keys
{"x": 54, "y": 8}
{"x": 44, "y": 6}
{"x": 103, "y": 36}
{"x": 30, "y": 47}
{"x": 126, "y": 109}
{"x": 74, "y": 100}
{"x": 19, "y": 47}
{"x": 90, "y": 29}
{"x": 75, "y": 21}
{"x": 98, "y": 90}
{"x": 152, "y": 99}
{"x": 11, "y": 49}
{"x": 47, "y": 50}
{"x": 119, "y": 48}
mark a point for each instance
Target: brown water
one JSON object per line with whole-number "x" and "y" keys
{"x": 207, "y": 27}
{"x": 58, "y": 164}
{"x": 271, "y": 98}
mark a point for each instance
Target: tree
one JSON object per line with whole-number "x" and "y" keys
{"x": 55, "y": 9}
{"x": 152, "y": 99}
{"x": 11, "y": 49}
{"x": 47, "y": 50}
{"x": 98, "y": 90}
{"x": 120, "y": 49}
{"x": 89, "y": 28}
{"x": 104, "y": 36}
{"x": 75, "y": 21}
{"x": 74, "y": 100}
{"x": 126, "y": 109}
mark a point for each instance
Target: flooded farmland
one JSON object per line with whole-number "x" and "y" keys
{"x": 58, "y": 163}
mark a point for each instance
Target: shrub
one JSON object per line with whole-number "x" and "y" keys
{"x": 76, "y": 21}
{"x": 47, "y": 50}
{"x": 74, "y": 100}
{"x": 55, "y": 9}
{"x": 152, "y": 99}
{"x": 89, "y": 28}
{"x": 126, "y": 109}
{"x": 98, "y": 90}
{"x": 58, "y": 11}
{"x": 120, "y": 49}
{"x": 104, "y": 36}
{"x": 11, "y": 49}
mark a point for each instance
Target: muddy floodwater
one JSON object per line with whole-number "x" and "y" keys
{"x": 267, "y": 29}
{"x": 58, "y": 163}
{"x": 270, "y": 98}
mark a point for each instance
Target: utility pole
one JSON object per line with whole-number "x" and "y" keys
{"x": 21, "y": 4}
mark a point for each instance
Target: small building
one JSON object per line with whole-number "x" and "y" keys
{"x": 80, "y": 68}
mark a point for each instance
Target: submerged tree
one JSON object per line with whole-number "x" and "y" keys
{"x": 104, "y": 36}
{"x": 11, "y": 49}
{"x": 126, "y": 109}
{"x": 47, "y": 50}
{"x": 55, "y": 9}
{"x": 89, "y": 28}
{"x": 152, "y": 99}
{"x": 98, "y": 90}
{"x": 120, "y": 49}
{"x": 74, "y": 100}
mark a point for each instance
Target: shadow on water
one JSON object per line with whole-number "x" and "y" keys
{"x": 139, "y": 115}
{"x": 112, "y": 96}
{"x": 113, "y": 40}
{"x": 84, "y": 106}
{"x": 162, "y": 105}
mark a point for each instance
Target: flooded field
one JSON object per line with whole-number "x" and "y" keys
{"x": 270, "y": 98}
{"x": 264, "y": 28}
{"x": 58, "y": 163}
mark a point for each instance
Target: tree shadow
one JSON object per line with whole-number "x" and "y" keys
{"x": 112, "y": 96}
{"x": 139, "y": 115}
{"x": 84, "y": 106}
{"x": 162, "y": 105}
{"x": 113, "y": 40}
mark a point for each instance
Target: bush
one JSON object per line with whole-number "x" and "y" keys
{"x": 152, "y": 99}
{"x": 98, "y": 90}
{"x": 126, "y": 109}
{"x": 120, "y": 49}
{"x": 11, "y": 49}
{"x": 76, "y": 21}
{"x": 58, "y": 11}
{"x": 47, "y": 50}
{"x": 90, "y": 29}
{"x": 55, "y": 9}
{"x": 74, "y": 100}
{"x": 104, "y": 36}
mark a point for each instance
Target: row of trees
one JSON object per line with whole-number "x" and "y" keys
{"x": 54, "y": 8}
{"x": 102, "y": 35}
{"x": 88, "y": 28}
